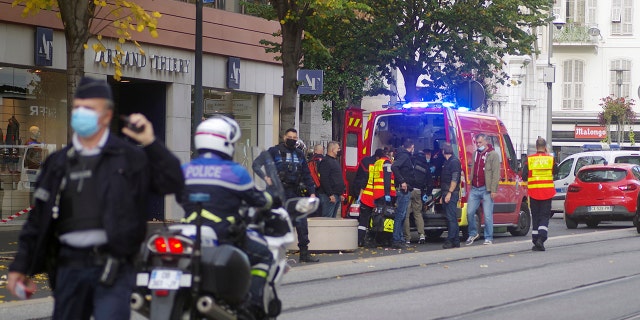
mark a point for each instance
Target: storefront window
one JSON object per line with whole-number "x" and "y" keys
{"x": 33, "y": 107}
{"x": 242, "y": 107}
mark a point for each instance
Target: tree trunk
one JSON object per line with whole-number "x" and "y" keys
{"x": 291, "y": 55}
{"x": 410, "y": 81}
{"x": 337, "y": 123}
{"x": 76, "y": 17}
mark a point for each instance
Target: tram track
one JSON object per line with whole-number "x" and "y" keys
{"x": 382, "y": 293}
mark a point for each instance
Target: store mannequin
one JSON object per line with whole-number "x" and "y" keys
{"x": 34, "y": 135}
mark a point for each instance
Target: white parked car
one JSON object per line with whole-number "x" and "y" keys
{"x": 567, "y": 169}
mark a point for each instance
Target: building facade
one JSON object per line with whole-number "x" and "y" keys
{"x": 594, "y": 53}
{"x": 239, "y": 80}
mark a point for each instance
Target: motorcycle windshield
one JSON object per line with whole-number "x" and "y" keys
{"x": 265, "y": 174}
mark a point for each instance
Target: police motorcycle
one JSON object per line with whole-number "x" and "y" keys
{"x": 184, "y": 273}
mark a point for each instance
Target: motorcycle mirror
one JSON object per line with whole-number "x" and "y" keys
{"x": 307, "y": 205}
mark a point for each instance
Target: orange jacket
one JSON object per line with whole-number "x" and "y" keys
{"x": 376, "y": 185}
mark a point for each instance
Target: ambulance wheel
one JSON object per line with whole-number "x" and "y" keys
{"x": 524, "y": 222}
{"x": 433, "y": 234}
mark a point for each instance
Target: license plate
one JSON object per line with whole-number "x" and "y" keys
{"x": 600, "y": 208}
{"x": 165, "y": 279}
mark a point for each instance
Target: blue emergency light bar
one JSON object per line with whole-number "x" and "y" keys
{"x": 427, "y": 104}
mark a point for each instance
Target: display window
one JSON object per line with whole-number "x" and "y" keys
{"x": 33, "y": 124}
{"x": 242, "y": 107}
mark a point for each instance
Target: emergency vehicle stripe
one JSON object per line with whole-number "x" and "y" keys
{"x": 540, "y": 185}
{"x": 358, "y": 124}
{"x": 350, "y": 122}
{"x": 220, "y": 183}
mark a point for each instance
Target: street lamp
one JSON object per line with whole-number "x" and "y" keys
{"x": 549, "y": 77}
{"x": 197, "y": 81}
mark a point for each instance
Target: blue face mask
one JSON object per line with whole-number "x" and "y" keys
{"x": 84, "y": 122}
{"x": 481, "y": 148}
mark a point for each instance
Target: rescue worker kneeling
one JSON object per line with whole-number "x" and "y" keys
{"x": 379, "y": 192}
{"x": 229, "y": 185}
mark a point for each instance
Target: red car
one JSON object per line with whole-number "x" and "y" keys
{"x": 603, "y": 192}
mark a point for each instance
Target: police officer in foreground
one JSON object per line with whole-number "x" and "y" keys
{"x": 229, "y": 184}
{"x": 296, "y": 179}
{"x": 538, "y": 171}
{"x": 89, "y": 216}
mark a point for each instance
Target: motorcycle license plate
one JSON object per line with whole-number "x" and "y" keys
{"x": 165, "y": 279}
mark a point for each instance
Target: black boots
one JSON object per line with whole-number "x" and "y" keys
{"x": 361, "y": 237}
{"x": 305, "y": 256}
{"x": 538, "y": 246}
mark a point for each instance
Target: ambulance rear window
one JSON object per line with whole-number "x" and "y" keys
{"x": 424, "y": 129}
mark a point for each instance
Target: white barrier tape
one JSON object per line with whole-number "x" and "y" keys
{"x": 17, "y": 214}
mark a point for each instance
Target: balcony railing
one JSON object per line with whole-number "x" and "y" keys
{"x": 574, "y": 33}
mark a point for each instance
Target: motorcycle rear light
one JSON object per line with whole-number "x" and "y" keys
{"x": 161, "y": 293}
{"x": 160, "y": 244}
{"x": 628, "y": 187}
{"x": 170, "y": 244}
{"x": 175, "y": 246}
{"x": 573, "y": 189}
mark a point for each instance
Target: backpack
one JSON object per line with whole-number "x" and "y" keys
{"x": 313, "y": 168}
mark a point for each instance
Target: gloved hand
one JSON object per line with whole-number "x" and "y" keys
{"x": 358, "y": 200}
{"x": 425, "y": 198}
{"x": 432, "y": 169}
{"x": 387, "y": 198}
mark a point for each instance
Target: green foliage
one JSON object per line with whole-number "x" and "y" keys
{"x": 447, "y": 42}
{"x": 350, "y": 73}
{"x": 618, "y": 111}
{"x": 304, "y": 26}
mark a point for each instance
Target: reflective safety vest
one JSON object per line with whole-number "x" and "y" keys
{"x": 375, "y": 185}
{"x": 206, "y": 214}
{"x": 540, "y": 179}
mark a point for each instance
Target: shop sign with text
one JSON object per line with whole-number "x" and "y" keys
{"x": 590, "y": 132}
{"x": 136, "y": 60}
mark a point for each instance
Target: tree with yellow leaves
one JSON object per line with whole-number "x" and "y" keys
{"x": 83, "y": 19}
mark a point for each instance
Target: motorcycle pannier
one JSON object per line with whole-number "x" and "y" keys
{"x": 226, "y": 273}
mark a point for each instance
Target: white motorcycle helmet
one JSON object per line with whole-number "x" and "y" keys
{"x": 218, "y": 134}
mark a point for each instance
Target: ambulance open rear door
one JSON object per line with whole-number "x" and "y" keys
{"x": 351, "y": 150}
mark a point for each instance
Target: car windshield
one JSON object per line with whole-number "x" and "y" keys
{"x": 602, "y": 175}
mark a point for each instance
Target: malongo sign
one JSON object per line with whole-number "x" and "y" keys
{"x": 139, "y": 61}
{"x": 590, "y": 132}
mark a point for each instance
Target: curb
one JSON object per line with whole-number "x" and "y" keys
{"x": 311, "y": 272}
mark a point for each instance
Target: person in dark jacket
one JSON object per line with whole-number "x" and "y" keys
{"x": 90, "y": 202}
{"x": 421, "y": 191}
{"x": 450, "y": 184}
{"x": 331, "y": 183}
{"x": 296, "y": 179}
{"x": 405, "y": 181}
